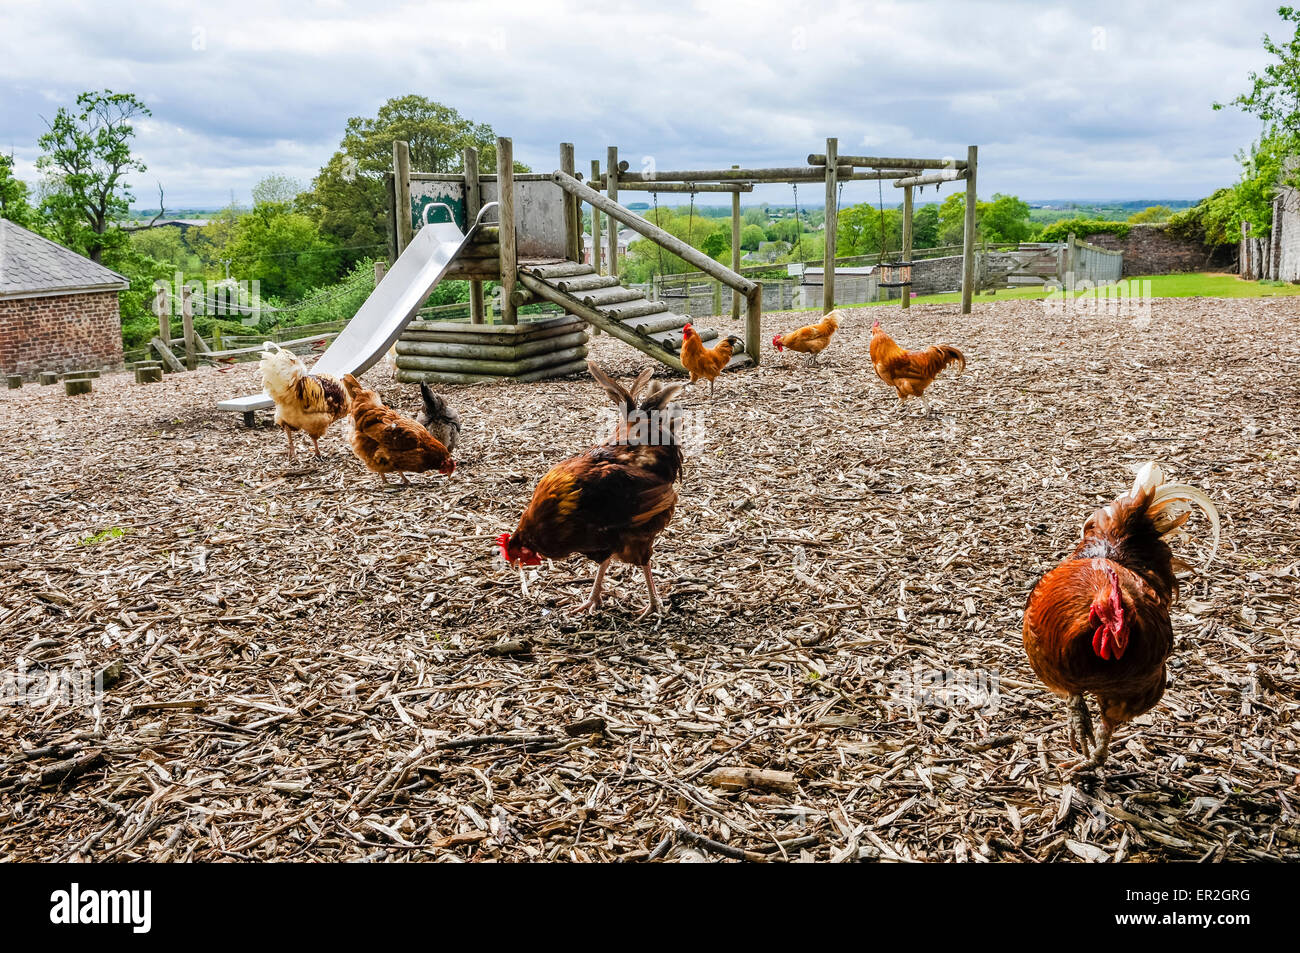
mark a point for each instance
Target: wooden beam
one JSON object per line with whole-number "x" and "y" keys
{"x": 611, "y": 188}
{"x": 879, "y": 162}
{"x": 402, "y": 193}
{"x": 794, "y": 174}
{"x": 473, "y": 202}
{"x": 968, "y": 233}
{"x": 907, "y": 242}
{"x": 735, "y": 251}
{"x": 832, "y": 223}
{"x": 165, "y": 353}
{"x": 658, "y": 186}
{"x": 754, "y": 323}
{"x": 653, "y": 232}
{"x": 932, "y": 178}
{"x": 506, "y": 211}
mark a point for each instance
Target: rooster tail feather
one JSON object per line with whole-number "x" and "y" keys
{"x": 1171, "y": 504}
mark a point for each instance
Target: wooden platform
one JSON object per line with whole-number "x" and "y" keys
{"x": 624, "y": 313}
{"x": 458, "y": 352}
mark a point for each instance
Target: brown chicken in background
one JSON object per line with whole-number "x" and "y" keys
{"x": 910, "y": 372}
{"x": 303, "y": 401}
{"x": 811, "y": 339}
{"x": 612, "y": 501}
{"x": 705, "y": 363}
{"x": 1099, "y": 622}
{"x": 387, "y": 442}
{"x": 438, "y": 418}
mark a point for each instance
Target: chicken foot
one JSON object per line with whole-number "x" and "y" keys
{"x": 1101, "y": 752}
{"x": 655, "y": 605}
{"x": 593, "y": 600}
{"x": 288, "y": 432}
{"x": 1080, "y": 721}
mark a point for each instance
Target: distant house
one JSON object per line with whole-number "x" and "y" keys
{"x": 767, "y": 252}
{"x": 58, "y": 309}
{"x": 625, "y": 237}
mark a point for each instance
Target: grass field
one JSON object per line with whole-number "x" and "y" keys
{"x": 1199, "y": 285}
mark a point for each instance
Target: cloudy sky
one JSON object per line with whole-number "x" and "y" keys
{"x": 1081, "y": 101}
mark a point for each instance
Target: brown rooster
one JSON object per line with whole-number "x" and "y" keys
{"x": 1099, "y": 622}
{"x": 705, "y": 363}
{"x": 612, "y": 501}
{"x": 387, "y": 442}
{"x": 910, "y": 372}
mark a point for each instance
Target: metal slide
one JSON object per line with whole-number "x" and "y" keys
{"x": 396, "y": 300}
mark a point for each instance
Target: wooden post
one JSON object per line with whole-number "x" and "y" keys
{"x": 506, "y": 210}
{"x": 907, "y": 242}
{"x": 402, "y": 193}
{"x": 735, "y": 250}
{"x": 572, "y": 213}
{"x": 473, "y": 203}
{"x": 754, "y": 322}
{"x": 595, "y": 222}
{"x": 968, "y": 234}
{"x": 832, "y": 223}
{"x": 162, "y": 308}
{"x": 1071, "y": 262}
{"x": 390, "y": 207}
{"x": 717, "y": 297}
{"x": 611, "y": 189}
{"x": 187, "y": 324}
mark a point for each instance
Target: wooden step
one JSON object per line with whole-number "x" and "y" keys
{"x": 615, "y": 295}
{"x": 632, "y": 309}
{"x": 672, "y": 340}
{"x": 654, "y": 323}
{"x": 564, "y": 269}
{"x": 585, "y": 283}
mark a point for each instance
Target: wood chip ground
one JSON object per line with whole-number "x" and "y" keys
{"x": 303, "y": 666}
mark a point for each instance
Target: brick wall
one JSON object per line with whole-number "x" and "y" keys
{"x": 1150, "y": 250}
{"x": 60, "y": 333}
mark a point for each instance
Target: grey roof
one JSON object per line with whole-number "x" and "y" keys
{"x": 31, "y": 265}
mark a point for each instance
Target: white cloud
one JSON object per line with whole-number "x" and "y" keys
{"x": 1112, "y": 100}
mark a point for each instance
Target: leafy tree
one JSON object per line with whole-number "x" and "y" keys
{"x": 347, "y": 199}
{"x": 1152, "y": 213}
{"x": 751, "y": 236}
{"x": 925, "y": 226}
{"x": 1275, "y": 94}
{"x": 15, "y": 204}
{"x": 277, "y": 188}
{"x": 859, "y": 230}
{"x": 716, "y": 244}
{"x": 952, "y": 219}
{"x": 282, "y": 249}
{"x": 87, "y": 155}
{"x": 1005, "y": 219}
{"x": 754, "y": 215}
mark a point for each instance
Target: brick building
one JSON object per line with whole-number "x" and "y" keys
{"x": 58, "y": 309}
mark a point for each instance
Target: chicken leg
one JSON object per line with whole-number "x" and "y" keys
{"x": 288, "y": 432}
{"x": 315, "y": 447}
{"x": 655, "y": 605}
{"x": 1081, "y": 737}
{"x": 1101, "y": 752}
{"x": 593, "y": 600}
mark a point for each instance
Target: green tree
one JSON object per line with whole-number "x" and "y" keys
{"x": 87, "y": 155}
{"x": 282, "y": 249}
{"x": 925, "y": 226}
{"x": 859, "y": 230}
{"x": 347, "y": 198}
{"x": 15, "y": 203}
{"x": 952, "y": 219}
{"x": 1274, "y": 95}
{"x": 1152, "y": 213}
{"x": 1005, "y": 219}
{"x": 277, "y": 188}
{"x": 751, "y": 235}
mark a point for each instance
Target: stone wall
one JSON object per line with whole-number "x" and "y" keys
{"x": 932, "y": 276}
{"x": 60, "y": 333}
{"x": 1151, "y": 250}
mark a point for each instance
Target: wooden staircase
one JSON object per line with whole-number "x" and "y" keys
{"x": 624, "y": 313}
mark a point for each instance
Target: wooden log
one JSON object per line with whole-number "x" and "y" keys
{"x": 486, "y": 233}
{"x": 933, "y": 178}
{"x": 501, "y": 368}
{"x": 493, "y": 352}
{"x": 473, "y": 190}
{"x": 92, "y": 374}
{"x": 881, "y": 162}
{"x": 735, "y": 251}
{"x": 578, "y": 366}
{"x": 73, "y": 386}
{"x": 148, "y": 375}
{"x": 506, "y": 212}
{"x": 611, "y": 189}
{"x": 612, "y": 295}
{"x": 664, "y": 179}
{"x": 164, "y": 352}
{"x": 607, "y": 324}
{"x": 481, "y": 270}
{"x": 474, "y": 250}
{"x": 657, "y": 185}
{"x": 402, "y": 193}
{"x": 739, "y": 779}
{"x": 390, "y": 207}
{"x": 512, "y": 332}
{"x": 595, "y": 222}
{"x": 162, "y": 311}
{"x": 522, "y": 296}
{"x": 968, "y": 233}
{"x": 14, "y": 381}
{"x": 754, "y": 323}
{"x": 832, "y": 225}
{"x": 572, "y": 214}
{"x": 187, "y": 325}
{"x": 568, "y": 269}
{"x": 653, "y": 324}
{"x": 621, "y": 312}
{"x": 653, "y": 232}
{"x": 451, "y": 337}
{"x": 585, "y": 283}
{"x": 48, "y": 377}
{"x": 906, "y": 290}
